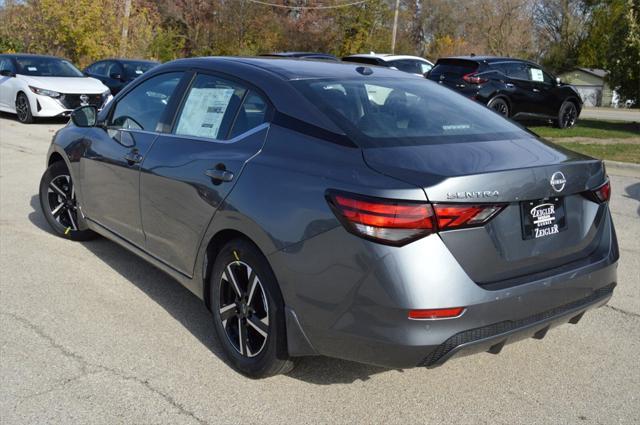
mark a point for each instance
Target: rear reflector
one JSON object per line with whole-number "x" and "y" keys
{"x": 436, "y": 313}
{"x": 601, "y": 194}
{"x": 388, "y": 221}
{"x": 456, "y": 216}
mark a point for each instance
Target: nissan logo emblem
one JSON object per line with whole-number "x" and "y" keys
{"x": 558, "y": 181}
{"x": 84, "y": 99}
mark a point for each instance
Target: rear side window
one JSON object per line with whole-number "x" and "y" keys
{"x": 142, "y": 107}
{"x": 406, "y": 65}
{"x": 382, "y": 112}
{"x": 517, "y": 70}
{"x": 210, "y": 108}
{"x": 6, "y": 64}
{"x": 453, "y": 67}
{"x": 252, "y": 113}
{"x": 98, "y": 68}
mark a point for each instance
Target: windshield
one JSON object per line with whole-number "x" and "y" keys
{"x": 39, "y": 66}
{"x": 135, "y": 69}
{"x": 379, "y": 112}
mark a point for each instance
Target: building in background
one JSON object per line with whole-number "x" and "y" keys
{"x": 591, "y": 84}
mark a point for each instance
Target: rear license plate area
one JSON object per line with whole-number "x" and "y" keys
{"x": 542, "y": 217}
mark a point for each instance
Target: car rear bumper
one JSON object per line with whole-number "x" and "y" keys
{"x": 352, "y": 301}
{"x": 492, "y": 338}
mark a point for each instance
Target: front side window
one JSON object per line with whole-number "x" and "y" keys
{"x": 39, "y": 66}
{"x": 380, "y": 112}
{"x": 142, "y": 107}
{"x": 6, "y": 65}
{"x": 97, "y": 68}
{"x": 210, "y": 108}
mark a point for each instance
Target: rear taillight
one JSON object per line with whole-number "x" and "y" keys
{"x": 397, "y": 222}
{"x": 387, "y": 221}
{"x": 474, "y": 78}
{"x": 456, "y": 216}
{"x": 600, "y": 194}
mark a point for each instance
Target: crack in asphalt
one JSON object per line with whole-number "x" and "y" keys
{"x": 625, "y": 312}
{"x": 86, "y": 366}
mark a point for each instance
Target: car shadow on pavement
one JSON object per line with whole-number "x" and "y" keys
{"x": 633, "y": 192}
{"x": 39, "y": 120}
{"x": 191, "y": 312}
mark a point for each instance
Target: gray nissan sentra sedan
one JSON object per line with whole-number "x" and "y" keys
{"x": 335, "y": 209}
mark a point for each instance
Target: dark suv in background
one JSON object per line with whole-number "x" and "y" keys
{"x": 117, "y": 73}
{"x": 515, "y": 88}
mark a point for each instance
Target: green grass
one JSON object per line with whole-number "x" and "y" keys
{"x": 625, "y": 152}
{"x": 592, "y": 128}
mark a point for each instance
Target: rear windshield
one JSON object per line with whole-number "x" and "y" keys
{"x": 457, "y": 67}
{"x": 46, "y": 67}
{"x": 135, "y": 69}
{"x": 379, "y": 112}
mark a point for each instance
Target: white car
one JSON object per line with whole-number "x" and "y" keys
{"x": 405, "y": 63}
{"x": 46, "y": 86}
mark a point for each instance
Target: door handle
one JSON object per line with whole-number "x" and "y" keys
{"x": 133, "y": 157}
{"x": 219, "y": 174}
{"x": 510, "y": 85}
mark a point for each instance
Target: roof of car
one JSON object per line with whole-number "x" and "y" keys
{"x": 485, "y": 58}
{"x": 299, "y": 55}
{"x": 387, "y": 57}
{"x": 32, "y": 55}
{"x": 285, "y": 68}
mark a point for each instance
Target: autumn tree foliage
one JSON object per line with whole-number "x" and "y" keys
{"x": 559, "y": 33}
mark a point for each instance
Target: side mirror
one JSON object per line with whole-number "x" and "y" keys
{"x": 85, "y": 116}
{"x": 426, "y": 74}
{"x": 115, "y": 76}
{"x": 7, "y": 73}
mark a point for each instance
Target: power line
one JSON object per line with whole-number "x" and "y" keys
{"x": 284, "y": 6}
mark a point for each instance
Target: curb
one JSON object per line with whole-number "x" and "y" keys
{"x": 623, "y": 168}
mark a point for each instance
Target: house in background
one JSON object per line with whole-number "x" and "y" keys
{"x": 591, "y": 84}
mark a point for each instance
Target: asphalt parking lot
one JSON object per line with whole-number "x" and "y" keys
{"x": 89, "y": 333}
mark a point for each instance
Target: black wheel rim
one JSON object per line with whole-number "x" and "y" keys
{"x": 22, "y": 108}
{"x": 61, "y": 195}
{"x": 500, "y": 107}
{"x": 569, "y": 116}
{"x": 244, "y": 310}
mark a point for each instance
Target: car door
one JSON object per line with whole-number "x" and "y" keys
{"x": 545, "y": 99}
{"x": 521, "y": 88}
{"x": 8, "y": 83}
{"x": 187, "y": 174}
{"x": 110, "y": 168}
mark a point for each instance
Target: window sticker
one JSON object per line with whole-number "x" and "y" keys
{"x": 138, "y": 71}
{"x": 32, "y": 69}
{"x": 536, "y": 74}
{"x": 203, "y": 112}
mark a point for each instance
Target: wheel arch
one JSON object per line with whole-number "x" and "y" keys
{"x": 55, "y": 157}
{"x": 503, "y": 97}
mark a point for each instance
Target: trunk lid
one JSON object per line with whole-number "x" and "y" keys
{"x": 508, "y": 172}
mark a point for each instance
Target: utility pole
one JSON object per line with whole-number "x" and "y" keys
{"x": 395, "y": 28}
{"x": 125, "y": 28}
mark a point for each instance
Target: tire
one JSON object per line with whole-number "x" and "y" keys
{"x": 23, "y": 109}
{"x": 499, "y": 105}
{"x": 248, "y": 311}
{"x": 59, "y": 204}
{"x": 567, "y": 115}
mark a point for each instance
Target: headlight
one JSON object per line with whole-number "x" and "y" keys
{"x": 106, "y": 94}
{"x": 44, "y": 92}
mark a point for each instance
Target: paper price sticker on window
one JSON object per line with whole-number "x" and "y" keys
{"x": 537, "y": 75}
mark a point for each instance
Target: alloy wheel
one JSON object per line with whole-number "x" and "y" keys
{"x": 244, "y": 310}
{"x": 569, "y": 116}
{"x": 500, "y": 107}
{"x": 22, "y": 108}
{"x": 61, "y": 195}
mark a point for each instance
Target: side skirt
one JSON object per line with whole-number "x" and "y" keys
{"x": 184, "y": 280}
